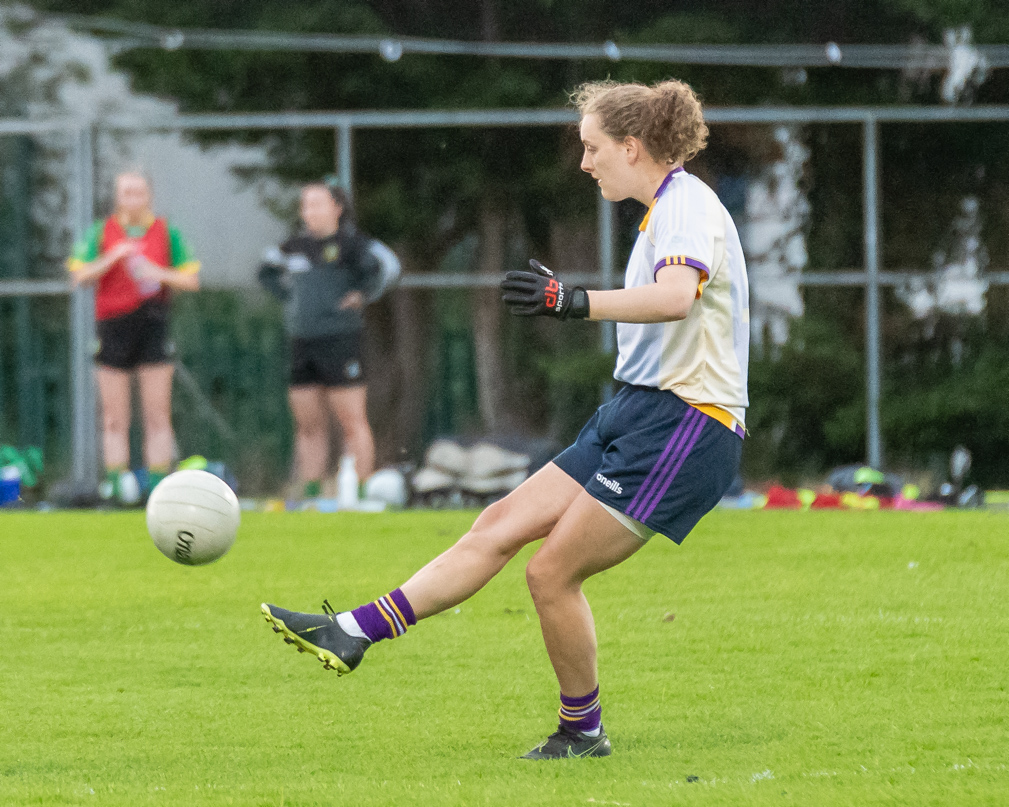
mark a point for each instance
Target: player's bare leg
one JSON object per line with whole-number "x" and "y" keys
{"x": 350, "y": 406}
{"x": 587, "y": 540}
{"x": 311, "y": 435}
{"x": 156, "y": 407}
{"x": 527, "y": 514}
{"x": 114, "y": 391}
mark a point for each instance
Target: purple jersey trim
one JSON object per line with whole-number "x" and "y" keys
{"x": 680, "y": 260}
{"x": 667, "y": 180}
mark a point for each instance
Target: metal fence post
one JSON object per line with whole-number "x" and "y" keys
{"x": 82, "y": 324}
{"x": 345, "y": 157}
{"x": 870, "y": 180}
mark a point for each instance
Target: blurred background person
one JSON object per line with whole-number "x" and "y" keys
{"x": 135, "y": 260}
{"x": 325, "y": 275}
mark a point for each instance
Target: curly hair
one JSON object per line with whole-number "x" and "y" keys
{"x": 665, "y": 117}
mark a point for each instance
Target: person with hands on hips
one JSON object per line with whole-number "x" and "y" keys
{"x": 653, "y": 460}
{"x": 325, "y": 275}
{"x": 135, "y": 261}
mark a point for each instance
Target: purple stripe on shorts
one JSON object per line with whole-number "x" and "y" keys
{"x": 691, "y": 442}
{"x": 655, "y": 475}
{"x": 654, "y": 491}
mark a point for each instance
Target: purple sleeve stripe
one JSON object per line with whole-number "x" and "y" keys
{"x": 680, "y": 260}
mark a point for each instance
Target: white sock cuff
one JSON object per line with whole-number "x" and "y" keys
{"x": 345, "y": 619}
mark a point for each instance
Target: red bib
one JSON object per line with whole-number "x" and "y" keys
{"x": 119, "y": 292}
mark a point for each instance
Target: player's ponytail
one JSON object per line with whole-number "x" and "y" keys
{"x": 342, "y": 198}
{"x": 665, "y": 117}
{"x": 676, "y": 129}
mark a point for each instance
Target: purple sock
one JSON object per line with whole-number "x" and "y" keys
{"x": 387, "y": 617}
{"x": 581, "y": 714}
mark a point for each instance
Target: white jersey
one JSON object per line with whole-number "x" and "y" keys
{"x": 702, "y": 358}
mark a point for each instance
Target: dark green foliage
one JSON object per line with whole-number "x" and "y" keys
{"x": 234, "y": 347}
{"x": 424, "y": 191}
{"x": 800, "y": 419}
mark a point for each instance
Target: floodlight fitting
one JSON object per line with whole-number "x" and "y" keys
{"x": 391, "y": 50}
{"x": 173, "y": 40}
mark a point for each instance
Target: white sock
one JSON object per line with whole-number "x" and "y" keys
{"x": 594, "y": 732}
{"x": 345, "y": 619}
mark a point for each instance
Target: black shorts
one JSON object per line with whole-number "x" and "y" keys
{"x": 140, "y": 337}
{"x": 655, "y": 458}
{"x": 329, "y": 361}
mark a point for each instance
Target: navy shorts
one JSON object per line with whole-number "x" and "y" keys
{"x": 655, "y": 458}
{"x": 329, "y": 361}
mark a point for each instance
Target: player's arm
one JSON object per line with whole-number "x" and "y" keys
{"x": 668, "y": 300}
{"x": 177, "y": 279}
{"x": 184, "y": 275}
{"x": 273, "y": 274}
{"x": 386, "y": 271}
{"x": 184, "y": 272}
{"x": 364, "y": 269}
{"x": 86, "y": 265}
{"x": 541, "y": 293}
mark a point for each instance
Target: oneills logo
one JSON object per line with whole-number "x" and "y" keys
{"x": 184, "y": 546}
{"x": 611, "y": 484}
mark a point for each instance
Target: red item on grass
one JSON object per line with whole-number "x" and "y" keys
{"x": 779, "y": 498}
{"x": 826, "y": 501}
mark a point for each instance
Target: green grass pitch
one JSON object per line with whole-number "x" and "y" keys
{"x": 814, "y": 658}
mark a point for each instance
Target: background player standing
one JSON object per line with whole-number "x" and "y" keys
{"x": 135, "y": 260}
{"x": 653, "y": 460}
{"x": 324, "y": 276}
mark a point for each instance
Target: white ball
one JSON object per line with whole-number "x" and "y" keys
{"x": 192, "y": 517}
{"x": 389, "y": 486}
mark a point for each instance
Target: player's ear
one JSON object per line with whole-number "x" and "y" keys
{"x": 633, "y": 149}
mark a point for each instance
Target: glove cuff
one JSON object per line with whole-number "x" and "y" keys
{"x": 579, "y": 308}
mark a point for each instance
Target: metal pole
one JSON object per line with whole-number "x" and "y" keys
{"x": 607, "y": 250}
{"x": 82, "y": 325}
{"x": 870, "y": 182}
{"x": 345, "y": 158}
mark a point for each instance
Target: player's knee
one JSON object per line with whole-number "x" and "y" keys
{"x": 543, "y": 578}
{"x": 115, "y": 423}
{"x": 357, "y": 431}
{"x": 490, "y": 541}
{"x": 310, "y": 427}
{"x": 494, "y": 532}
{"x": 155, "y": 422}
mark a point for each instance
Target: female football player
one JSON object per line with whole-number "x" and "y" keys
{"x": 653, "y": 460}
{"x": 324, "y": 275}
{"x": 135, "y": 260}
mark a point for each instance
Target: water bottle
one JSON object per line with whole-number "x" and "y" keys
{"x": 346, "y": 483}
{"x": 10, "y": 486}
{"x": 129, "y": 489}
{"x": 146, "y": 286}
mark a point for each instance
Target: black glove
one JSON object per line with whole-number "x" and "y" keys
{"x": 541, "y": 293}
